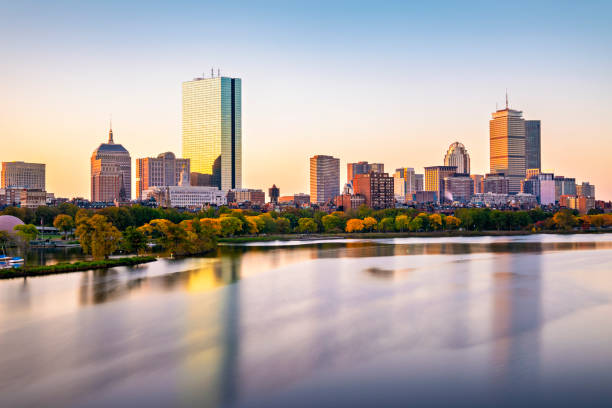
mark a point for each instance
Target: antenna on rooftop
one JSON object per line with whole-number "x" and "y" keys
{"x": 212, "y": 72}
{"x": 506, "y": 98}
{"x": 218, "y": 72}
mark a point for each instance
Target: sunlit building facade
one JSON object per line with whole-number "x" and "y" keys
{"x": 434, "y": 180}
{"x": 362, "y": 167}
{"x": 212, "y": 129}
{"x": 23, "y": 175}
{"x": 457, "y": 156}
{"x": 163, "y": 170}
{"x": 324, "y": 178}
{"x": 111, "y": 172}
{"x": 507, "y": 146}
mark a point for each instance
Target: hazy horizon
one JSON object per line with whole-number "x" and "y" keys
{"x": 393, "y": 83}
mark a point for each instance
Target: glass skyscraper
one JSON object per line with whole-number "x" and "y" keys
{"x": 212, "y": 129}
{"x": 532, "y": 144}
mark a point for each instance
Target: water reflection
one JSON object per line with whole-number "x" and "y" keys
{"x": 327, "y": 324}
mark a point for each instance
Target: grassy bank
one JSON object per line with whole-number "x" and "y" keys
{"x": 374, "y": 235}
{"x": 27, "y": 271}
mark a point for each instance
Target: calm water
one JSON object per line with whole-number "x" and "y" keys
{"x": 420, "y": 322}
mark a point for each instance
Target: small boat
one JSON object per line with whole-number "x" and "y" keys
{"x": 15, "y": 260}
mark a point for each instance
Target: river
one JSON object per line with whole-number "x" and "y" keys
{"x": 506, "y": 321}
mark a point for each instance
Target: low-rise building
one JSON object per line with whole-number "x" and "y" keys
{"x": 496, "y": 183}
{"x": 243, "y": 195}
{"x": 32, "y": 198}
{"x": 458, "y": 188}
{"x": 349, "y": 201}
{"x": 425, "y": 197}
{"x": 186, "y": 196}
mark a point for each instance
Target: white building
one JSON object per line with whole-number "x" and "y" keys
{"x": 186, "y": 196}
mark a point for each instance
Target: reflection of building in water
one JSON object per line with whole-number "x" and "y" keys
{"x": 516, "y": 320}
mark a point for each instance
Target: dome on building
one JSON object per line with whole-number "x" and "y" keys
{"x": 8, "y": 223}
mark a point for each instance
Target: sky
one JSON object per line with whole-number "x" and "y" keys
{"x": 391, "y": 82}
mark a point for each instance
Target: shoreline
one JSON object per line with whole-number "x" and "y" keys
{"x": 80, "y": 266}
{"x": 381, "y": 235}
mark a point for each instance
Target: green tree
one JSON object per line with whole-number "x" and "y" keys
{"x": 283, "y": 225}
{"x": 133, "y": 240}
{"x": 387, "y": 224}
{"x": 230, "y": 225}
{"x": 565, "y": 219}
{"x": 307, "y": 226}
{"x": 401, "y": 223}
{"x": 64, "y": 223}
{"x": 332, "y": 223}
{"x": 26, "y": 233}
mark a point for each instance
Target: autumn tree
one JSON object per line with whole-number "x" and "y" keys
{"x": 133, "y": 240}
{"x": 401, "y": 223}
{"x": 354, "y": 225}
{"x": 387, "y": 224}
{"x": 97, "y": 236}
{"x": 307, "y": 225}
{"x": 64, "y": 223}
{"x": 369, "y": 223}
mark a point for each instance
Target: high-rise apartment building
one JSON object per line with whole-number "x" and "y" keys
{"x": 532, "y": 145}
{"x": 163, "y": 170}
{"x": 457, "y": 156}
{"x": 377, "y": 188}
{"x": 507, "y": 146}
{"x": 434, "y": 179}
{"x": 212, "y": 129}
{"x": 23, "y": 175}
{"x": 419, "y": 182}
{"x": 404, "y": 183}
{"x": 111, "y": 172}
{"x": 273, "y": 194}
{"x": 363, "y": 167}
{"x": 564, "y": 186}
{"x": 324, "y": 178}
{"x": 585, "y": 189}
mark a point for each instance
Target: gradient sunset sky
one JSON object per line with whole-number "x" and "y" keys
{"x": 387, "y": 82}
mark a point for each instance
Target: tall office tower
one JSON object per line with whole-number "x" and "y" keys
{"x": 212, "y": 129}
{"x": 478, "y": 178}
{"x": 419, "y": 182}
{"x": 457, "y": 156}
{"x": 161, "y": 171}
{"x": 324, "y": 178}
{"x": 507, "y": 146}
{"x": 405, "y": 181}
{"x": 363, "y": 167}
{"x": 434, "y": 180}
{"x": 532, "y": 145}
{"x": 111, "y": 172}
{"x": 377, "y": 188}
{"x": 24, "y": 175}
{"x": 273, "y": 194}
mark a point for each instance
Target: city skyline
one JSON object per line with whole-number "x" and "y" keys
{"x": 290, "y": 99}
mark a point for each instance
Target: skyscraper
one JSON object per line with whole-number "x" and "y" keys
{"x": 212, "y": 129}
{"x": 532, "y": 145}
{"x": 23, "y": 175}
{"x": 457, "y": 155}
{"x": 111, "y": 172}
{"x": 507, "y": 146}
{"x": 163, "y": 170}
{"x": 434, "y": 180}
{"x": 324, "y": 178}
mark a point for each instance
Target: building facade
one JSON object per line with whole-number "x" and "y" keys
{"x": 434, "y": 180}
{"x": 349, "y": 201}
{"x": 163, "y": 170}
{"x": 495, "y": 184}
{"x": 32, "y": 198}
{"x": 23, "y": 175}
{"x": 377, "y": 188}
{"x": 363, "y": 167}
{"x": 111, "y": 172}
{"x": 212, "y": 129}
{"x": 477, "y": 178}
{"x": 459, "y": 187}
{"x": 457, "y": 156}
{"x": 507, "y": 146}
{"x": 585, "y": 189}
{"x": 324, "y": 178}
{"x": 273, "y": 194}
{"x": 193, "y": 197}
{"x": 244, "y": 195}
{"x": 533, "y": 145}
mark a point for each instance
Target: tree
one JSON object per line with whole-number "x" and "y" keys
{"x": 97, "y": 236}
{"x": 283, "y": 225}
{"x": 564, "y": 219}
{"x": 332, "y": 223}
{"x": 307, "y": 225}
{"x": 230, "y": 225}
{"x": 401, "y": 223}
{"x": 435, "y": 221}
{"x": 416, "y": 224}
{"x": 354, "y": 225}
{"x": 64, "y": 223}
{"x": 452, "y": 222}
{"x": 369, "y": 223}
{"x": 214, "y": 224}
{"x": 386, "y": 224}
{"x": 254, "y": 224}
{"x": 133, "y": 240}
{"x": 26, "y": 233}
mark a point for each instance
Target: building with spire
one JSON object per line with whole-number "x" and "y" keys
{"x": 457, "y": 156}
{"x": 111, "y": 172}
{"x": 507, "y": 146}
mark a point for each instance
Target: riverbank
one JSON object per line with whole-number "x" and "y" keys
{"x": 381, "y": 235}
{"x": 30, "y": 271}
